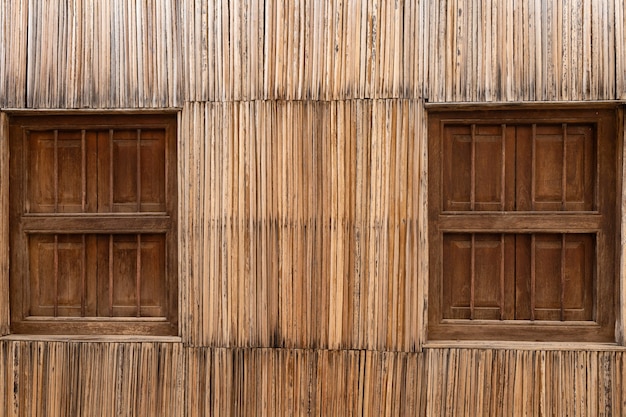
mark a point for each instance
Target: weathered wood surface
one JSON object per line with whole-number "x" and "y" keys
{"x": 91, "y": 379}
{"x": 13, "y": 52}
{"x": 125, "y": 53}
{"x": 4, "y": 225}
{"x": 90, "y": 54}
{"x": 277, "y": 196}
{"x": 164, "y": 379}
{"x": 299, "y": 224}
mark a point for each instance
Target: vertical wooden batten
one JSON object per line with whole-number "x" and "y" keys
{"x": 502, "y": 382}
{"x": 296, "y": 382}
{"x": 620, "y": 316}
{"x": 4, "y": 224}
{"x": 620, "y": 51}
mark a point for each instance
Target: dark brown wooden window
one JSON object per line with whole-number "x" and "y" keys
{"x": 93, "y": 224}
{"x": 522, "y": 224}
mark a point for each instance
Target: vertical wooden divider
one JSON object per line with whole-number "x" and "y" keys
{"x": 4, "y": 225}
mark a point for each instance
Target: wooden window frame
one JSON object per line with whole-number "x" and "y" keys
{"x": 14, "y": 321}
{"x": 608, "y": 323}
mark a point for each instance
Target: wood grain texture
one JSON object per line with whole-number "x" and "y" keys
{"x": 297, "y": 382}
{"x": 620, "y": 51}
{"x": 292, "y": 230}
{"x": 13, "y": 52}
{"x": 116, "y": 54}
{"x": 330, "y": 49}
{"x": 4, "y": 225}
{"x": 537, "y": 50}
{"x": 166, "y": 379}
{"x": 533, "y": 382}
{"x": 131, "y": 54}
{"x": 299, "y": 224}
{"x": 96, "y": 379}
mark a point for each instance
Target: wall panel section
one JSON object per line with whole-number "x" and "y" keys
{"x": 306, "y": 50}
{"x": 113, "y": 54}
{"x": 94, "y": 379}
{"x": 524, "y": 51}
{"x": 273, "y": 382}
{"x": 503, "y": 382}
{"x": 13, "y": 53}
{"x": 299, "y": 224}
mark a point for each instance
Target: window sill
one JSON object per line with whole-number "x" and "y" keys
{"x": 517, "y": 345}
{"x": 90, "y": 338}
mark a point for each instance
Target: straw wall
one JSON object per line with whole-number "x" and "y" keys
{"x": 127, "y": 53}
{"x": 302, "y": 199}
{"x": 302, "y": 224}
{"x": 147, "y": 379}
{"x": 91, "y": 379}
{"x": 13, "y": 52}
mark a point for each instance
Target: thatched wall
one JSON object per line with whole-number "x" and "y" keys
{"x": 302, "y": 193}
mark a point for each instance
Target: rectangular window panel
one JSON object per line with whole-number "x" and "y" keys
{"x": 93, "y": 224}
{"x": 522, "y": 224}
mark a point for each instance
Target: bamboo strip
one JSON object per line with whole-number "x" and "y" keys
{"x": 329, "y": 224}
{"x": 300, "y": 50}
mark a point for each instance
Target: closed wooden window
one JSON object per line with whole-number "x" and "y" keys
{"x": 93, "y": 224}
{"x": 522, "y": 224}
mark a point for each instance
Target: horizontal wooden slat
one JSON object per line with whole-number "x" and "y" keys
{"x": 113, "y": 326}
{"x": 85, "y": 223}
{"x": 520, "y": 223}
{"x": 522, "y": 330}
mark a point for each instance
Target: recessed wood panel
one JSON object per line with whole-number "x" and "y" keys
{"x": 40, "y": 197}
{"x": 546, "y": 274}
{"x": 457, "y": 173}
{"x": 476, "y": 276}
{"x": 456, "y": 282}
{"x": 124, "y": 171}
{"x": 490, "y": 158}
{"x": 57, "y": 275}
{"x": 152, "y": 171}
{"x": 488, "y": 273}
